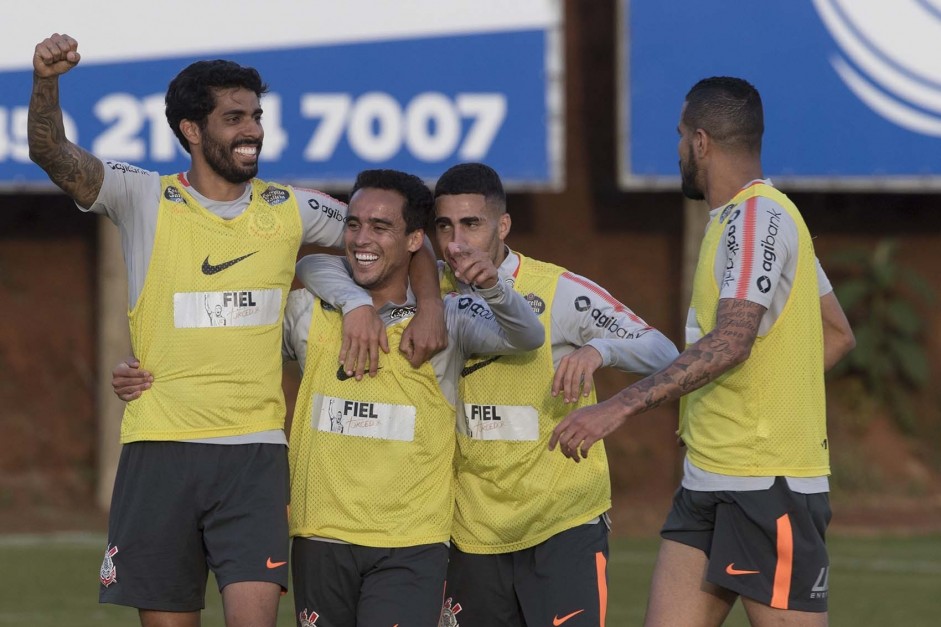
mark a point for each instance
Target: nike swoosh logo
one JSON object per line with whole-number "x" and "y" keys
{"x": 208, "y": 268}
{"x": 271, "y": 564}
{"x": 480, "y": 364}
{"x": 342, "y": 376}
{"x": 556, "y": 621}
{"x": 731, "y": 570}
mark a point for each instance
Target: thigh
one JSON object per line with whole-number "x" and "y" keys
{"x": 155, "y": 558}
{"x": 245, "y": 524}
{"x": 769, "y": 546}
{"x": 564, "y": 580}
{"x": 402, "y": 586}
{"x": 480, "y": 591}
{"x": 679, "y": 592}
{"x": 326, "y": 582}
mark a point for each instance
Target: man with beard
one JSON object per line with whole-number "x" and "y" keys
{"x": 750, "y": 517}
{"x": 202, "y": 480}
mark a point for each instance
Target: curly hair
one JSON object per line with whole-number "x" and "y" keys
{"x": 191, "y": 95}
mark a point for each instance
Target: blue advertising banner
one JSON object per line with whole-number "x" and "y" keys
{"x": 386, "y": 97}
{"x": 851, "y": 88}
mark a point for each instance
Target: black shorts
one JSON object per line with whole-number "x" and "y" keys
{"x": 345, "y": 585}
{"x": 767, "y": 545}
{"x": 561, "y": 580}
{"x": 182, "y": 508}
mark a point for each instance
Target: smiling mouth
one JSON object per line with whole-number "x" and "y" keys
{"x": 248, "y": 151}
{"x": 365, "y": 259}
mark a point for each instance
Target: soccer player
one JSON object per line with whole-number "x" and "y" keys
{"x": 202, "y": 480}
{"x": 371, "y": 461}
{"x": 750, "y": 517}
{"x": 530, "y": 534}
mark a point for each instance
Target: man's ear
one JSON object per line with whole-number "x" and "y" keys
{"x": 504, "y": 227}
{"x": 702, "y": 143}
{"x": 191, "y": 131}
{"x": 416, "y": 239}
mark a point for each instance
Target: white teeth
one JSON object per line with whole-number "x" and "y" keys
{"x": 249, "y": 151}
{"x": 366, "y": 257}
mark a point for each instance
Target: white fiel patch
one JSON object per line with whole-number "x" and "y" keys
{"x": 363, "y": 419}
{"x": 499, "y": 422}
{"x": 238, "y": 308}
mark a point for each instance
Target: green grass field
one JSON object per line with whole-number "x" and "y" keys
{"x": 47, "y": 581}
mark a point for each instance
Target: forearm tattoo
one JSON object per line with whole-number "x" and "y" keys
{"x": 726, "y": 346}
{"x": 76, "y": 171}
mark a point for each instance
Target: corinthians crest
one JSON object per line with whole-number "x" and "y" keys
{"x": 108, "y": 572}
{"x": 308, "y": 620}
{"x": 449, "y": 613}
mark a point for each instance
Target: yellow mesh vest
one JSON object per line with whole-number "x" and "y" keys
{"x": 208, "y": 320}
{"x": 767, "y": 416}
{"x": 514, "y": 494}
{"x": 371, "y": 459}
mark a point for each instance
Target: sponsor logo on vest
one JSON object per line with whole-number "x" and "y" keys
{"x": 474, "y": 307}
{"x": 173, "y": 195}
{"x": 275, "y": 196}
{"x": 499, "y": 422}
{"x": 238, "y": 299}
{"x": 484, "y": 412}
{"x": 108, "y": 573}
{"x": 468, "y": 370}
{"x": 402, "y": 312}
{"x": 363, "y": 418}
{"x": 538, "y": 304}
{"x": 210, "y": 269}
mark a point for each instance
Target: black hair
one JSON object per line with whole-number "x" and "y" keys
{"x": 192, "y": 93}
{"x": 419, "y": 203}
{"x": 473, "y": 178}
{"x": 729, "y": 110}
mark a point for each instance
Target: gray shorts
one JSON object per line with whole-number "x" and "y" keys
{"x": 345, "y": 585}
{"x": 180, "y": 509}
{"x": 561, "y": 580}
{"x": 767, "y": 545}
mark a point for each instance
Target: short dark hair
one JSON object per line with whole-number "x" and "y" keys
{"x": 729, "y": 110}
{"x": 419, "y": 203}
{"x": 192, "y": 93}
{"x": 473, "y": 178}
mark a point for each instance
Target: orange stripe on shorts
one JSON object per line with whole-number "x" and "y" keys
{"x": 782, "y": 572}
{"x": 601, "y": 565}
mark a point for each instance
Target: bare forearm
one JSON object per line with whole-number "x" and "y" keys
{"x": 725, "y": 347}
{"x": 73, "y": 169}
{"x": 423, "y": 275}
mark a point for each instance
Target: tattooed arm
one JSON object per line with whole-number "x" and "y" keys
{"x": 76, "y": 171}
{"x": 720, "y": 350}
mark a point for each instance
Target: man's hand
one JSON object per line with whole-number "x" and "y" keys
{"x": 574, "y": 375}
{"x": 364, "y": 335}
{"x": 129, "y": 380}
{"x": 55, "y": 56}
{"x": 583, "y": 427}
{"x": 426, "y": 334}
{"x": 472, "y": 266}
